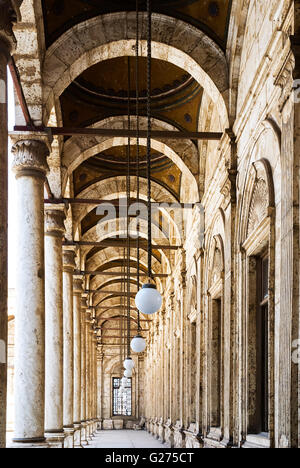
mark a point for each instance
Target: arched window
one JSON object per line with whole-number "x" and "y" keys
{"x": 122, "y": 399}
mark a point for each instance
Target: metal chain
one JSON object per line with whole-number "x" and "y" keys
{"x": 137, "y": 151}
{"x": 127, "y": 218}
{"x": 123, "y": 318}
{"x": 149, "y": 53}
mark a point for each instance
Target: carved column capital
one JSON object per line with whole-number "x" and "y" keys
{"x": 9, "y": 14}
{"x": 54, "y": 221}
{"x": 30, "y": 158}
{"x": 84, "y": 305}
{"x": 77, "y": 285}
{"x": 69, "y": 263}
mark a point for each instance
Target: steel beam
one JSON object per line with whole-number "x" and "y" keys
{"x": 117, "y": 273}
{"x": 121, "y": 243}
{"x": 119, "y": 202}
{"x": 123, "y": 133}
{"x": 109, "y": 292}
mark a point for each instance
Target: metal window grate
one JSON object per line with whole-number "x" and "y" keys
{"x": 122, "y": 402}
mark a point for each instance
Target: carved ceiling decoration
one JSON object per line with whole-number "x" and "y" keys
{"x": 113, "y": 162}
{"x": 207, "y": 15}
{"x": 102, "y": 91}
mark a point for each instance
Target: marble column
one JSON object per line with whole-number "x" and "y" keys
{"x": 54, "y": 230}
{"x": 88, "y": 372}
{"x": 68, "y": 420}
{"x": 77, "y": 359}
{"x": 7, "y": 42}
{"x": 84, "y": 440}
{"x": 94, "y": 382}
{"x": 30, "y": 167}
{"x": 100, "y": 358}
{"x": 90, "y": 377}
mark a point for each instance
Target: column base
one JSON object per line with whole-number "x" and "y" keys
{"x": 55, "y": 440}
{"x": 169, "y": 434}
{"x": 95, "y": 426}
{"x": 28, "y": 444}
{"x": 192, "y": 437}
{"x": 90, "y": 430}
{"x": 77, "y": 436}
{"x": 83, "y": 434}
{"x": 69, "y": 437}
{"x": 161, "y": 431}
{"x": 179, "y": 435}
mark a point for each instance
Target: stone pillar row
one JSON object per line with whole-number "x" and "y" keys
{"x": 68, "y": 291}
{"x": 55, "y": 372}
{"x": 7, "y": 45}
{"x": 54, "y": 345}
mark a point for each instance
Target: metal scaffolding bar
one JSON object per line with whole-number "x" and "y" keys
{"x": 123, "y": 133}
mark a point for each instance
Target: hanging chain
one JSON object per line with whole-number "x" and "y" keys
{"x": 137, "y": 152}
{"x": 149, "y": 51}
{"x": 122, "y": 316}
{"x": 127, "y": 218}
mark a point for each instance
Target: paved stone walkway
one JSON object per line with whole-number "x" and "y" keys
{"x": 124, "y": 439}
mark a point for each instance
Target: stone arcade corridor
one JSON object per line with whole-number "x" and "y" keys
{"x": 155, "y": 157}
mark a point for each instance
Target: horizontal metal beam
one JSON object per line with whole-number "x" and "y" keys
{"x": 121, "y": 243}
{"x": 122, "y": 294}
{"x": 118, "y": 329}
{"x": 115, "y": 308}
{"x": 103, "y": 337}
{"x": 111, "y": 345}
{"x": 122, "y": 133}
{"x": 120, "y": 202}
{"x": 117, "y": 273}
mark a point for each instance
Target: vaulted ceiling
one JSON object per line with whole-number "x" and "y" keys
{"x": 104, "y": 91}
{"x": 210, "y": 16}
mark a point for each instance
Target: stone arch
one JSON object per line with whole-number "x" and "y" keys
{"x": 183, "y": 153}
{"x": 113, "y": 35}
{"x": 111, "y": 188}
{"x": 215, "y": 248}
{"x": 258, "y": 198}
{"x": 110, "y": 254}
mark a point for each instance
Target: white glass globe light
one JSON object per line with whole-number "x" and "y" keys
{"x": 128, "y": 374}
{"x": 148, "y": 300}
{"x": 138, "y": 344}
{"x": 128, "y": 364}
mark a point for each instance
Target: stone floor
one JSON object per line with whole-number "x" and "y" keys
{"x": 124, "y": 439}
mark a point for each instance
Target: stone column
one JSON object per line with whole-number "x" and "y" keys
{"x": 30, "y": 167}
{"x": 88, "y": 372}
{"x": 77, "y": 360}
{"x": 90, "y": 378}
{"x": 7, "y": 42}
{"x": 54, "y": 230}
{"x": 68, "y": 269}
{"x": 95, "y": 420}
{"x": 100, "y": 357}
{"x": 84, "y": 440}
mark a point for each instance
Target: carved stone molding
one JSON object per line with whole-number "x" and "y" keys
{"x": 69, "y": 263}
{"x": 77, "y": 287}
{"x": 228, "y": 189}
{"x": 9, "y": 10}
{"x": 259, "y": 205}
{"x": 54, "y": 222}
{"x": 30, "y": 158}
{"x": 284, "y": 80}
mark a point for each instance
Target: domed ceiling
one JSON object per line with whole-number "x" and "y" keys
{"x": 210, "y": 16}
